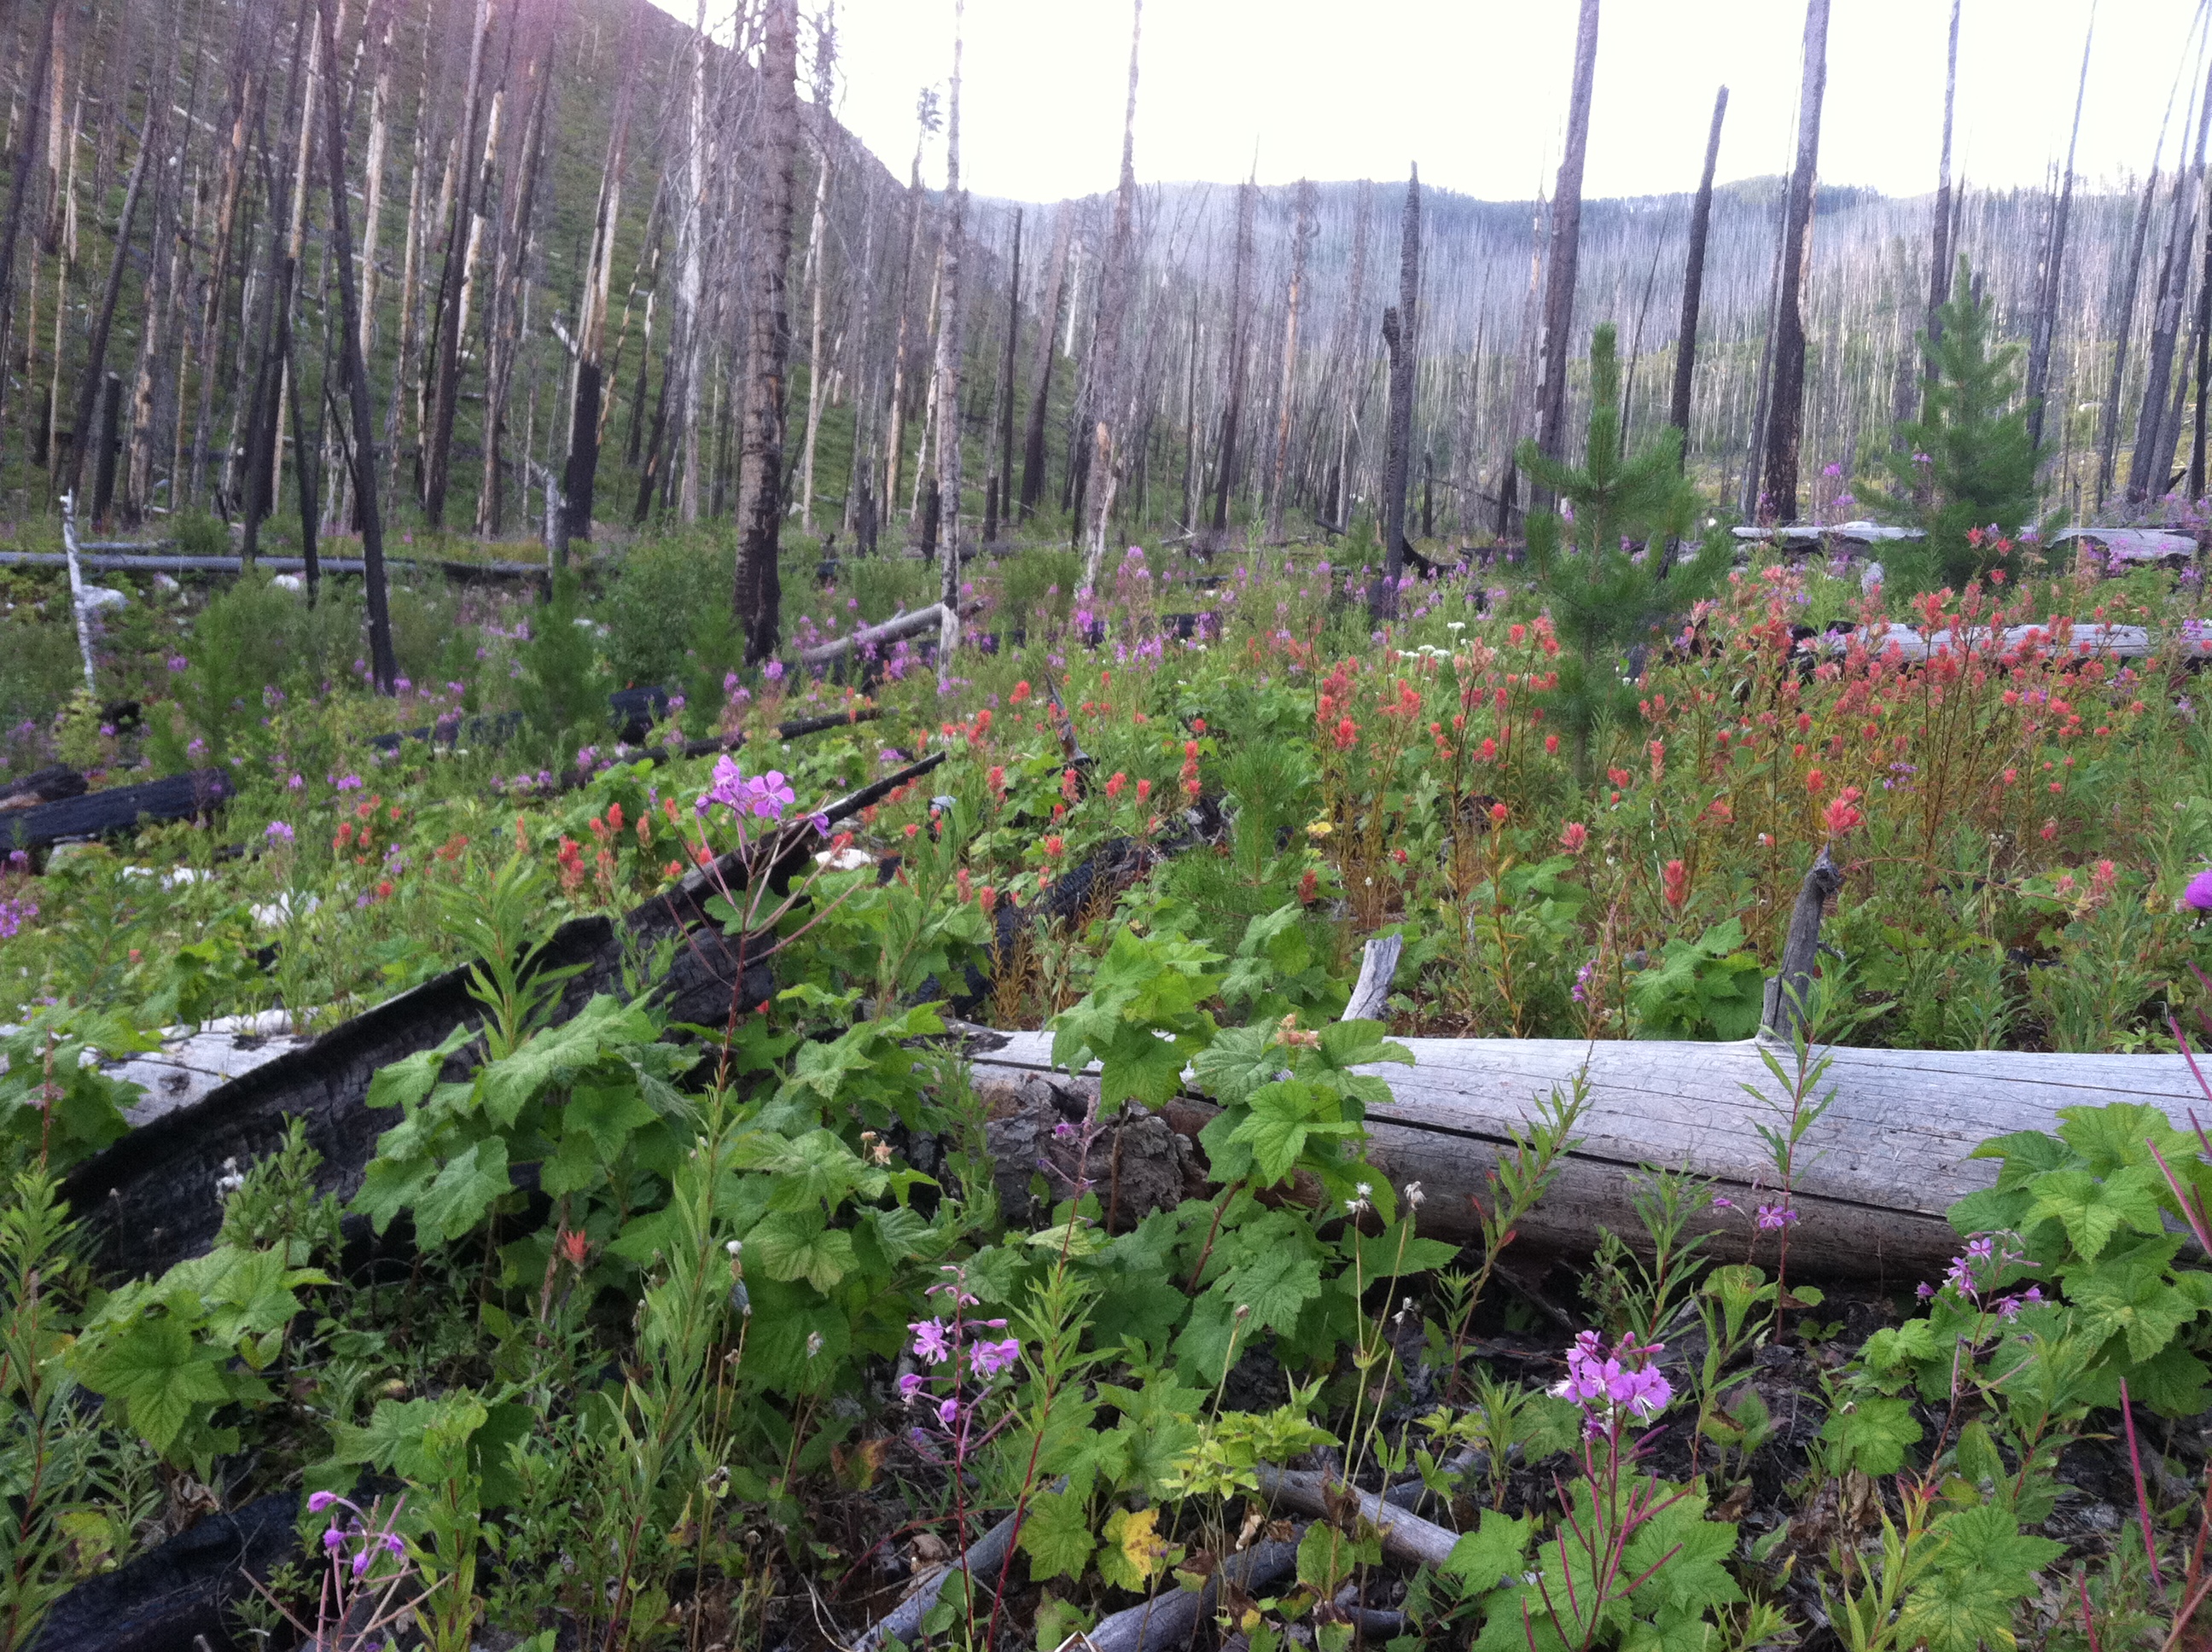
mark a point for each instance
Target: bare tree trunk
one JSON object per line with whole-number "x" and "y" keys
{"x": 1940, "y": 260}
{"x": 582, "y": 470}
{"x": 1302, "y": 230}
{"x": 20, "y": 183}
{"x": 895, "y": 452}
{"x": 1033, "y": 450}
{"x": 1566, "y": 244}
{"x": 1400, "y": 336}
{"x": 1105, "y": 379}
{"x": 949, "y": 342}
{"x": 1232, "y": 411}
{"x": 2054, "y": 263}
{"x": 1786, "y": 420}
{"x": 688, "y": 360}
{"x": 380, "y": 138}
{"x": 818, "y": 271}
{"x": 382, "y": 663}
{"x": 103, "y": 324}
{"x": 2108, "y": 435}
{"x": 1001, "y": 507}
{"x": 460, "y": 233}
{"x": 1693, "y": 280}
{"x": 758, "y": 599}
{"x": 2154, "y": 448}
{"x": 509, "y": 290}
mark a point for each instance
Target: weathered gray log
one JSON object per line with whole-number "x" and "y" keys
{"x": 1169, "y": 1619}
{"x": 149, "y": 1198}
{"x": 891, "y": 630}
{"x": 100, "y": 562}
{"x": 1874, "y": 1178}
{"x": 1406, "y": 1535}
{"x": 985, "y": 1557}
{"x": 1378, "y": 966}
{"x": 1792, "y": 984}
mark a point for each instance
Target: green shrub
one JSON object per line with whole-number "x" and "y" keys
{"x": 659, "y": 593}
{"x": 39, "y": 667}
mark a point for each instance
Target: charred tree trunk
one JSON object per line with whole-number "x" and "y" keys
{"x": 1940, "y": 260}
{"x": 757, "y": 601}
{"x": 445, "y": 342}
{"x": 1301, "y": 229}
{"x": 19, "y": 184}
{"x": 1232, "y": 412}
{"x": 1107, "y": 437}
{"x": 1401, "y": 336}
{"x": 580, "y": 472}
{"x": 1005, "y": 478}
{"x": 382, "y": 663}
{"x": 1693, "y": 280}
{"x": 1786, "y": 418}
{"x": 2108, "y": 433}
{"x": 1566, "y": 244}
{"x": 948, "y": 370}
{"x": 2054, "y": 265}
{"x": 2154, "y": 446}
{"x": 817, "y": 266}
{"x": 103, "y": 321}
{"x": 1033, "y": 448}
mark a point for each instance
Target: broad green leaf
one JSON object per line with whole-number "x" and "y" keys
{"x": 423, "y": 1440}
{"x": 555, "y": 1057}
{"x": 408, "y": 1080}
{"x": 1056, "y": 1535}
{"x": 160, "y": 1373}
{"x": 2091, "y": 1211}
{"x": 800, "y": 1245}
{"x": 1873, "y": 1433}
{"x": 462, "y": 1193}
{"x": 1483, "y": 1558}
{"x": 2128, "y": 1296}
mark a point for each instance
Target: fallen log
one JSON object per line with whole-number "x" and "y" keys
{"x": 147, "y": 1199}
{"x": 112, "y": 812}
{"x": 894, "y": 628}
{"x": 1169, "y": 1619}
{"x": 42, "y": 786}
{"x": 1406, "y": 1535}
{"x": 181, "y": 1590}
{"x": 1874, "y": 1178}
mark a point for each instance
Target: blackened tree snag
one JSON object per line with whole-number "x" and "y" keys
{"x": 1786, "y": 419}
{"x": 582, "y": 467}
{"x": 1400, "y": 335}
{"x": 1033, "y": 449}
{"x": 1693, "y": 279}
{"x": 759, "y": 599}
{"x": 1566, "y": 244}
{"x": 949, "y": 345}
{"x": 2054, "y": 266}
{"x": 446, "y": 345}
{"x": 382, "y": 662}
{"x": 1005, "y": 477}
{"x": 1302, "y": 232}
{"x": 1105, "y": 384}
{"x": 1239, "y": 326}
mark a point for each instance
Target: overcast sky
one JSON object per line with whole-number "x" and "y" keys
{"x": 1475, "y": 91}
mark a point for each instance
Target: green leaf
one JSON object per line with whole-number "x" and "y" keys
{"x": 607, "y": 1115}
{"x": 408, "y": 1080}
{"x": 2128, "y": 1296}
{"x": 1953, "y": 1609}
{"x": 1275, "y": 1285}
{"x": 1491, "y": 1554}
{"x": 2091, "y": 1211}
{"x": 1394, "y": 1253}
{"x": 1056, "y": 1535}
{"x": 158, "y": 1371}
{"x": 794, "y": 1245}
{"x": 2120, "y": 1134}
{"x": 461, "y": 1193}
{"x": 1987, "y": 1541}
{"x": 555, "y": 1056}
{"x": 423, "y": 1440}
{"x": 1873, "y": 1433}
{"x": 1236, "y": 1063}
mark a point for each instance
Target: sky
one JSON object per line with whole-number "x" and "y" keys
{"x": 1475, "y": 91}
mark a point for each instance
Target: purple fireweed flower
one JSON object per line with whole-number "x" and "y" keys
{"x": 277, "y": 831}
{"x": 948, "y": 1412}
{"x": 989, "y": 1358}
{"x": 911, "y": 1384}
{"x": 319, "y": 1501}
{"x": 1774, "y": 1217}
{"x": 929, "y": 1341}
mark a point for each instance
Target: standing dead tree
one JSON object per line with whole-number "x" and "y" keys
{"x": 1400, "y": 335}
{"x": 582, "y": 470}
{"x": 444, "y": 362}
{"x": 822, "y": 132}
{"x": 1232, "y": 411}
{"x": 757, "y": 600}
{"x": 1105, "y": 386}
{"x": 1566, "y": 244}
{"x": 1055, "y": 286}
{"x": 2054, "y": 262}
{"x": 1302, "y": 234}
{"x": 998, "y": 491}
{"x": 382, "y": 660}
{"x": 949, "y": 344}
{"x": 2153, "y": 444}
{"x": 1693, "y": 279}
{"x": 1939, "y": 266}
{"x": 926, "y": 122}
{"x": 1786, "y": 415}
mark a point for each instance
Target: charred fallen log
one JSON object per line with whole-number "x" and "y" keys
{"x": 149, "y": 1199}
{"x": 181, "y": 1591}
{"x": 118, "y": 809}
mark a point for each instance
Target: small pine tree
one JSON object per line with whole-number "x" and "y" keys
{"x": 1969, "y": 464}
{"x": 1604, "y": 597}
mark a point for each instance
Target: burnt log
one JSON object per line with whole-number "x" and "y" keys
{"x": 181, "y": 1592}
{"x": 41, "y": 786}
{"x": 119, "y": 809}
{"x": 148, "y": 1200}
